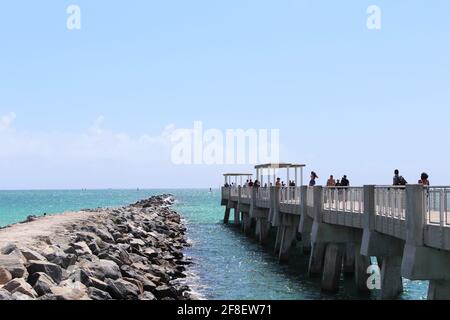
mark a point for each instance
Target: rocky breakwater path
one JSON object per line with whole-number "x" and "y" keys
{"x": 129, "y": 253}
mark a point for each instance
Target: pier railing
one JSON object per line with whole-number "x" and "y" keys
{"x": 437, "y": 206}
{"x": 246, "y": 192}
{"x": 290, "y": 195}
{"x": 234, "y": 192}
{"x": 390, "y": 202}
{"x": 344, "y": 199}
{"x": 263, "y": 194}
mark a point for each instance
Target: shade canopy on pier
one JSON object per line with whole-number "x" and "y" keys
{"x": 236, "y": 176}
{"x": 270, "y": 170}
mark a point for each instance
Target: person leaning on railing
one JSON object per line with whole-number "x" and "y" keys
{"x": 424, "y": 179}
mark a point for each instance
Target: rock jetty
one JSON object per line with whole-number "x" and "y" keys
{"x": 129, "y": 253}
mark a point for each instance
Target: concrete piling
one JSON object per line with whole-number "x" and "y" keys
{"x": 332, "y": 268}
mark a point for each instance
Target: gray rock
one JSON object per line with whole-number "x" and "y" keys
{"x": 5, "y": 276}
{"x": 97, "y": 294}
{"x": 21, "y": 297}
{"x": 5, "y": 295}
{"x": 64, "y": 260}
{"x": 82, "y": 248}
{"x": 93, "y": 246}
{"x": 51, "y": 269}
{"x": 103, "y": 234}
{"x": 122, "y": 290}
{"x": 165, "y": 291}
{"x": 14, "y": 265}
{"x": 10, "y": 247}
{"x": 102, "y": 269}
{"x": 147, "y": 296}
{"x": 68, "y": 293}
{"x": 137, "y": 243}
{"x": 21, "y": 286}
{"x": 137, "y": 283}
{"x": 30, "y": 254}
{"x": 98, "y": 284}
{"x": 41, "y": 283}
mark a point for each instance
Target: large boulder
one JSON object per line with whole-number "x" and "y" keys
{"x": 10, "y": 247}
{"x": 21, "y": 286}
{"x": 97, "y": 294}
{"x": 103, "y": 234}
{"x": 52, "y": 270}
{"x": 165, "y": 291}
{"x": 63, "y": 257}
{"x": 103, "y": 269}
{"x": 30, "y": 254}
{"x": 70, "y": 290}
{"x": 41, "y": 282}
{"x": 82, "y": 248}
{"x": 5, "y": 276}
{"x": 14, "y": 265}
{"x": 122, "y": 290}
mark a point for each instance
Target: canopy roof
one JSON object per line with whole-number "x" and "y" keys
{"x": 237, "y": 174}
{"x": 279, "y": 166}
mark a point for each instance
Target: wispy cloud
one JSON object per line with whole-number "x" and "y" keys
{"x": 29, "y": 156}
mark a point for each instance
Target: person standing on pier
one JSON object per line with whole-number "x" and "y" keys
{"x": 398, "y": 179}
{"x": 278, "y": 183}
{"x": 345, "y": 182}
{"x": 314, "y": 176}
{"x": 424, "y": 179}
{"x": 331, "y": 182}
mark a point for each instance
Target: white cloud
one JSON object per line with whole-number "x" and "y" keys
{"x": 7, "y": 120}
{"x": 66, "y": 157}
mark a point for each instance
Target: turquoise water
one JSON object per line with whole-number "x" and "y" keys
{"x": 227, "y": 265}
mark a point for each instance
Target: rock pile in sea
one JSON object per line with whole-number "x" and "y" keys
{"x": 129, "y": 253}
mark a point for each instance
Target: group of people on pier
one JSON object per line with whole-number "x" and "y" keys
{"x": 398, "y": 180}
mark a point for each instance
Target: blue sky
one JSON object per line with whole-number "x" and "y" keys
{"x": 92, "y": 107}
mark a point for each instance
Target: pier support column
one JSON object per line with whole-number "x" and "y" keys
{"x": 391, "y": 277}
{"x": 316, "y": 259}
{"x": 362, "y": 263}
{"x": 288, "y": 228}
{"x": 439, "y": 290}
{"x": 262, "y": 230}
{"x": 246, "y": 223}
{"x": 332, "y": 268}
{"x": 306, "y": 222}
{"x": 349, "y": 259}
{"x": 237, "y": 218}
{"x": 288, "y": 237}
{"x": 226, "y": 217}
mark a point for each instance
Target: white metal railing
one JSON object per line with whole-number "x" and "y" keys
{"x": 263, "y": 194}
{"x": 234, "y": 192}
{"x": 345, "y": 199}
{"x": 290, "y": 195}
{"x": 390, "y": 202}
{"x": 246, "y": 192}
{"x": 437, "y": 205}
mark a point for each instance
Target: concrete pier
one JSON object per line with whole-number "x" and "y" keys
{"x": 342, "y": 229}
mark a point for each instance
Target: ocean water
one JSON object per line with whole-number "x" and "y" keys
{"x": 227, "y": 265}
